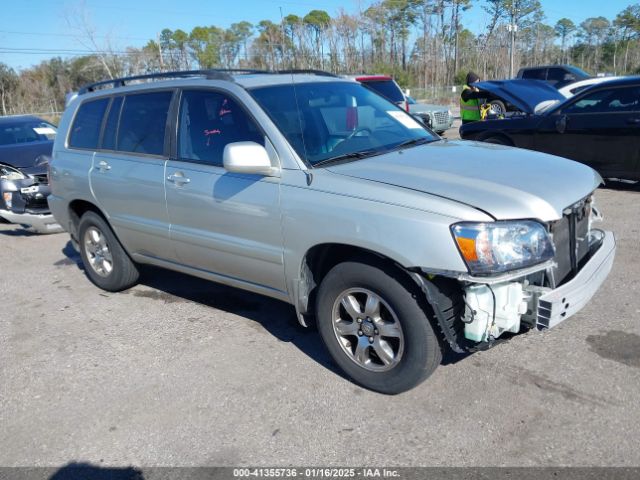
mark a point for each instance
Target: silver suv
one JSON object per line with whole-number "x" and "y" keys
{"x": 316, "y": 191}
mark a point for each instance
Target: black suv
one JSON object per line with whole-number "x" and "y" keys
{"x": 556, "y": 75}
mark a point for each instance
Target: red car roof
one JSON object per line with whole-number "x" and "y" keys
{"x": 373, "y": 78}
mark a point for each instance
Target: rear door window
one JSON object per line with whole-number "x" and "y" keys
{"x": 142, "y": 123}
{"x": 85, "y": 130}
{"x": 208, "y": 122}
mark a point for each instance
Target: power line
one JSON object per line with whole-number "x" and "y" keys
{"x": 70, "y": 35}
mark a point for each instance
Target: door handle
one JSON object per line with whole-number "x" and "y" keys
{"x": 178, "y": 179}
{"x": 103, "y": 166}
{"x": 633, "y": 121}
{"x": 561, "y": 123}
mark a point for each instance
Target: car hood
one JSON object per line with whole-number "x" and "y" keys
{"x": 31, "y": 158}
{"x": 504, "y": 182}
{"x": 525, "y": 95}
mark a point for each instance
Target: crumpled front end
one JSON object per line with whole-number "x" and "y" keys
{"x": 537, "y": 296}
{"x": 23, "y": 200}
{"x": 554, "y": 292}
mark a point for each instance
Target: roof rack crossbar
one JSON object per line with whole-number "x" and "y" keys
{"x": 217, "y": 73}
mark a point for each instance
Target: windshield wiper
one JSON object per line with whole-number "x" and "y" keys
{"x": 412, "y": 142}
{"x": 348, "y": 156}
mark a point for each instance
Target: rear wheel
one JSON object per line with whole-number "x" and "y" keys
{"x": 106, "y": 263}
{"x": 375, "y": 329}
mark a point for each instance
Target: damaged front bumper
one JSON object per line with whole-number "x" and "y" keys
{"x": 494, "y": 308}
{"x": 24, "y": 201}
{"x": 559, "y": 304}
{"x": 485, "y": 308}
{"x": 40, "y": 223}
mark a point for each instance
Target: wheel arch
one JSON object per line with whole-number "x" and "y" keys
{"x": 77, "y": 208}
{"x": 496, "y": 134}
{"x": 431, "y": 292}
{"x": 316, "y": 263}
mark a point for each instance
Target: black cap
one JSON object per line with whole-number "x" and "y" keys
{"x": 472, "y": 78}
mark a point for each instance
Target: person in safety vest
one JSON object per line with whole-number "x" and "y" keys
{"x": 470, "y": 100}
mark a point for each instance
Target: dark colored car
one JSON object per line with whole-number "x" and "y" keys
{"x": 514, "y": 97}
{"x": 599, "y": 127}
{"x": 386, "y": 86}
{"x": 26, "y": 143}
{"x": 555, "y": 75}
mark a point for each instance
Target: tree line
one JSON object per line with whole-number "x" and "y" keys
{"x": 422, "y": 43}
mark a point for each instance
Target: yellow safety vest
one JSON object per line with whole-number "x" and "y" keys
{"x": 470, "y": 110}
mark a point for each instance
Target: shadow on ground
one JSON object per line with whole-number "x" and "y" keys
{"x": 18, "y": 231}
{"x": 86, "y": 471}
{"x": 622, "y": 186}
{"x": 276, "y": 317}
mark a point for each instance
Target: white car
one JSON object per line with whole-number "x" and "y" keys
{"x": 576, "y": 87}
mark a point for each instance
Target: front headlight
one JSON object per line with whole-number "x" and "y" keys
{"x": 498, "y": 247}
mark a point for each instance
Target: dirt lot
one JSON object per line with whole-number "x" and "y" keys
{"x": 178, "y": 371}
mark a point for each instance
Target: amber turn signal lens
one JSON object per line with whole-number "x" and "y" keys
{"x": 467, "y": 248}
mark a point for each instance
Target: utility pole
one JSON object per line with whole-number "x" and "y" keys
{"x": 160, "y": 53}
{"x": 513, "y": 28}
{"x": 282, "y": 40}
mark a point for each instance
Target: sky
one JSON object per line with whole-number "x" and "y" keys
{"x": 35, "y": 30}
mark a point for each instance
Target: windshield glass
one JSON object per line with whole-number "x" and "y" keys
{"x": 326, "y": 120}
{"x": 25, "y": 132}
{"x": 581, "y": 74}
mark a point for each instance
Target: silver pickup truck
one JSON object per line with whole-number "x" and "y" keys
{"x": 316, "y": 191}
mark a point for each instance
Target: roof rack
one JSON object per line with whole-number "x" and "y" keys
{"x": 216, "y": 73}
{"x": 310, "y": 71}
{"x": 213, "y": 74}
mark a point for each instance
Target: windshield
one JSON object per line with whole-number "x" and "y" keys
{"x": 338, "y": 119}
{"x": 25, "y": 132}
{"x": 580, "y": 74}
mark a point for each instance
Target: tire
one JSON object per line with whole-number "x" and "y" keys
{"x": 402, "y": 333}
{"x": 111, "y": 269}
{"x": 498, "y": 141}
{"x": 498, "y": 107}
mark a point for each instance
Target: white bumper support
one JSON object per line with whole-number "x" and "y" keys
{"x": 559, "y": 304}
{"x": 39, "y": 223}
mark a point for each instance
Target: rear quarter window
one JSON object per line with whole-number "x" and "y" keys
{"x": 85, "y": 130}
{"x": 386, "y": 88}
{"x": 535, "y": 74}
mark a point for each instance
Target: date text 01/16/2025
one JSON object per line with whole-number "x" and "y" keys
{"x": 315, "y": 472}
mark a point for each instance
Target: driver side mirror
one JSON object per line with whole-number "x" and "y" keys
{"x": 249, "y": 158}
{"x": 561, "y": 123}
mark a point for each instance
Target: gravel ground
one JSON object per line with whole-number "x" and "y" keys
{"x": 179, "y": 371}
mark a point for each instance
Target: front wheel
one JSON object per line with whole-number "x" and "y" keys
{"x": 498, "y": 107}
{"x": 375, "y": 328}
{"x": 106, "y": 262}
